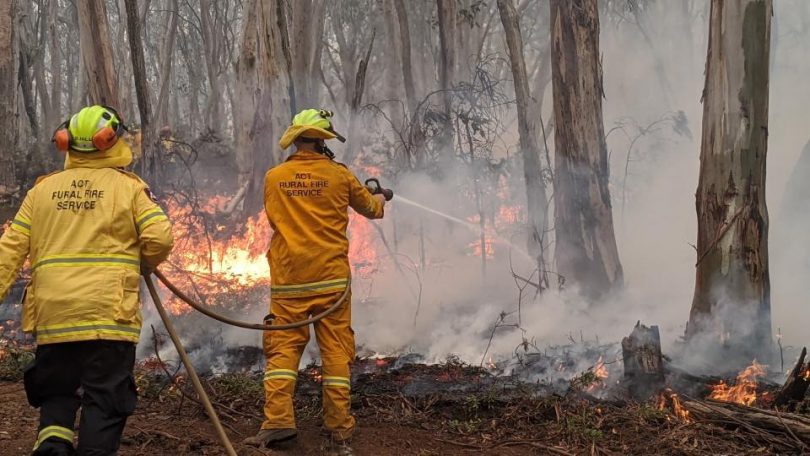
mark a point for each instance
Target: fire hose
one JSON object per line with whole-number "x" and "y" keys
{"x": 195, "y": 379}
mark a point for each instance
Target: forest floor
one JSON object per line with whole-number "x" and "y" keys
{"x": 417, "y": 409}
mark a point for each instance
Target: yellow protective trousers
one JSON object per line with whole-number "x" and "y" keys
{"x": 283, "y": 350}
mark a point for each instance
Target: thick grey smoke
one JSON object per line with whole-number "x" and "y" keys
{"x": 653, "y": 78}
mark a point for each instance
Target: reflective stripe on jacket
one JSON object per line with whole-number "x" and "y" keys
{"x": 307, "y": 199}
{"x": 86, "y": 231}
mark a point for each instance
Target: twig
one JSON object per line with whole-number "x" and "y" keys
{"x": 156, "y": 432}
{"x": 787, "y": 428}
{"x": 535, "y": 443}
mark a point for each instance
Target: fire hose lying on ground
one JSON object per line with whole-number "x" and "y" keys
{"x": 195, "y": 379}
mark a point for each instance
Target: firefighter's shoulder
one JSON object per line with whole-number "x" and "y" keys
{"x": 131, "y": 175}
{"x": 40, "y": 179}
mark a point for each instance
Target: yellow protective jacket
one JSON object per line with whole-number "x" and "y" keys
{"x": 307, "y": 199}
{"x": 86, "y": 230}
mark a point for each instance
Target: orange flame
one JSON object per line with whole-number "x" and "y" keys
{"x": 601, "y": 373}
{"x": 678, "y": 409}
{"x": 214, "y": 256}
{"x": 744, "y": 390}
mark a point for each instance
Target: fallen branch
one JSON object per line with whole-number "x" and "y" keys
{"x": 785, "y": 429}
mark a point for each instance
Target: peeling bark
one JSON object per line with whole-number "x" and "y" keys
{"x": 8, "y": 94}
{"x": 586, "y": 251}
{"x": 307, "y": 32}
{"x": 96, "y": 49}
{"x": 732, "y": 283}
{"x": 263, "y": 99}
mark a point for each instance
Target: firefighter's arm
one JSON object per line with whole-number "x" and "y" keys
{"x": 362, "y": 201}
{"x": 154, "y": 230}
{"x": 14, "y": 246}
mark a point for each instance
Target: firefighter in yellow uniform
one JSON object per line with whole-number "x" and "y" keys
{"x": 307, "y": 199}
{"x": 88, "y": 231}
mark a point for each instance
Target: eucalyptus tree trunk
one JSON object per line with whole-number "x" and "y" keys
{"x": 447, "y": 42}
{"x": 96, "y": 49}
{"x": 446, "y": 12}
{"x": 55, "y": 50}
{"x": 732, "y": 284}
{"x": 305, "y": 39}
{"x": 161, "y": 113}
{"x": 405, "y": 42}
{"x": 263, "y": 99}
{"x": 586, "y": 251}
{"x": 148, "y": 164}
{"x": 536, "y": 198}
{"x": 213, "y": 109}
{"x": 8, "y": 98}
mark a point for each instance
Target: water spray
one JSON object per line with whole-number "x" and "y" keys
{"x": 471, "y": 226}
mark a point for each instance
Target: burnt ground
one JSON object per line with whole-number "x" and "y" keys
{"x": 414, "y": 409}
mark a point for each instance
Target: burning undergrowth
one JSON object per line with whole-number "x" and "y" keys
{"x": 470, "y": 408}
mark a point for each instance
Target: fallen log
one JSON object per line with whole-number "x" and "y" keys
{"x": 766, "y": 426}
{"x": 795, "y": 387}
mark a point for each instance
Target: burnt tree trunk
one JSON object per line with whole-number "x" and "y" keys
{"x": 732, "y": 284}
{"x": 643, "y": 362}
{"x": 263, "y": 101}
{"x": 8, "y": 99}
{"x": 96, "y": 49}
{"x": 586, "y": 250}
{"x": 795, "y": 387}
{"x": 536, "y": 198}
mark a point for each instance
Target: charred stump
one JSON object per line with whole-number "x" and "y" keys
{"x": 643, "y": 365}
{"x": 795, "y": 387}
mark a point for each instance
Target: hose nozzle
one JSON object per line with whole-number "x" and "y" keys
{"x": 373, "y": 186}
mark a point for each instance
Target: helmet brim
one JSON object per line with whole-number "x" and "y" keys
{"x": 308, "y": 131}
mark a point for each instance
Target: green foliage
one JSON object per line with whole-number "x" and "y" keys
{"x": 465, "y": 427}
{"x": 585, "y": 380}
{"x": 582, "y": 426}
{"x": 13, "y": 361}
{"x": 236, "y": 385}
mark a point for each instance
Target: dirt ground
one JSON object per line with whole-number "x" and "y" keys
{"x": 158, "y": 429}
{"x": 425, "y": 410}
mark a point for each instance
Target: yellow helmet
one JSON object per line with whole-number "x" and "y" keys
{"x": 310, "y": 123}
{"x": 94, "y": 128}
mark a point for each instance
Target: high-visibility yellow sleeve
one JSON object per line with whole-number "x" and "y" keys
{"x": 154, "y": 230}
{"x": 361, "y": 200}
{"x": 14, "y": 246}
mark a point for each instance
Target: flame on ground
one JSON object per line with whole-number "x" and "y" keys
{"x": 669, "y": 397}
{"x": 744, "y": 390}
{"x": 600, "y": 372}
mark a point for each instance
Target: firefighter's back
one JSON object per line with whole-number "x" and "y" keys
{"x": 307, "y": 200}
{"x": 85, "y": 255}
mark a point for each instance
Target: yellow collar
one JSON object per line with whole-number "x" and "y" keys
{"x": 118, "y": 156}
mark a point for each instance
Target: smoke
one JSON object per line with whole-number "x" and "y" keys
{"x": 431, "y": 294}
